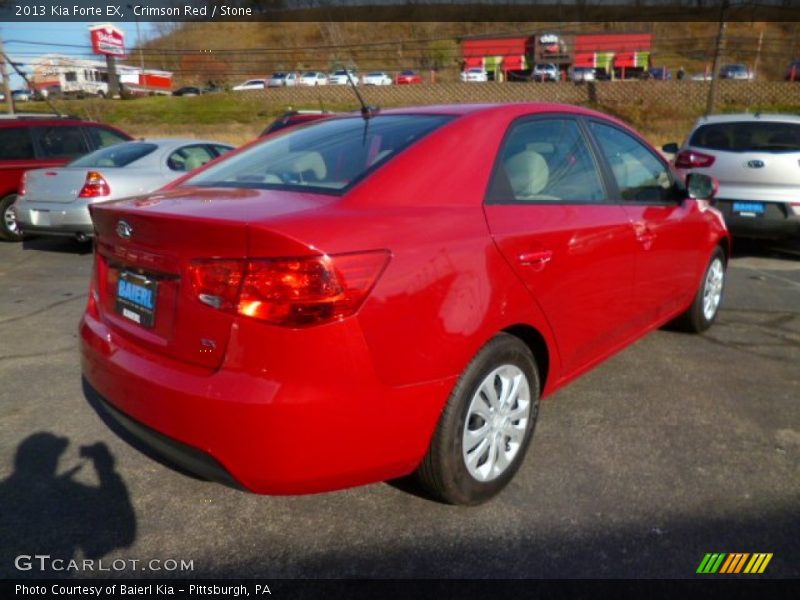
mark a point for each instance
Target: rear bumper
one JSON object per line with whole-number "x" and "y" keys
{"x": 271, "y": 432}
{"x": 50, "y": 218}
{"x": 778, "y": 221}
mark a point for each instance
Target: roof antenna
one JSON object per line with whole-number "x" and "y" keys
{"x": 366, "y": 111}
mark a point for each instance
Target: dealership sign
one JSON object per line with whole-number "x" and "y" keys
{"x": 107, "y": 39}
{"x": 550, "y": 43}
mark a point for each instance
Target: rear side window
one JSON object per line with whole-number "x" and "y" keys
{"x": 749, "y": 136}
{"x": 188, "y": 158}
{"x": 102, "y": 137}
{"x": 61, "y": 142}
{"x": 16, "y": 144}
{"x": 545, "y": 160}
{"x": 326, "y": 157}
{"x": 120, "y": 155}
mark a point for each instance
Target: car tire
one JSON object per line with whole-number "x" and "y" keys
{"x": 9, "y": 230}
{"x": 705, "y": 306}
{"x": 464, "y": 466}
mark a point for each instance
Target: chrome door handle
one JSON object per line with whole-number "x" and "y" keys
{"x": 538, "y": 260}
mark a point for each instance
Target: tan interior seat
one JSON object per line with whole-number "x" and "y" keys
{"x": 528, "y": 173}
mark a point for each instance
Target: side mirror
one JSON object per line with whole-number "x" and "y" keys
{"x": 701, "y": 187}
{"x": 671, "y": 148}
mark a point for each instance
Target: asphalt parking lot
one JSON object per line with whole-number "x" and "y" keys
{"x": 679, "y": 446}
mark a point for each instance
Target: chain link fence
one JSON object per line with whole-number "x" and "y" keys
{"x": 682, "y": 95}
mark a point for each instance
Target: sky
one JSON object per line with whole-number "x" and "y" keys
{"x": 48, "y": 35}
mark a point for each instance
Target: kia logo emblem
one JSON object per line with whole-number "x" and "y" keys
{"x": 124, "y": 230}
{"x": 755, "y": 164}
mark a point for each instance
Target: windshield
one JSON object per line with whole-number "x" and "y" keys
{"x": 748, "y": 136}
{"x": 327, "y": 157}
{"x": 119, "y": 155}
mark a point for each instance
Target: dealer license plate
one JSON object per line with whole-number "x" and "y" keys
{"x": 752, "y": 208}
{"x": 136, "y": 298}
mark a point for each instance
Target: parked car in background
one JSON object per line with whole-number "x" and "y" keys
{"x": 188, "y": 90}
{"x": 793, "y": 71}
{"x": 294, "y": 117}
{"x": 702, "y": 76}
{"x": 546, "y": 72}
{"x": 735, "y": 72}
{"x": 408, "y": 76}
{"x": 313, "y": 78}
{"x": 32, "y": 141}
{"x": 282, "y": 79}
{"x": 21, "y": 95}
{"x": 756, "y": 159}
{"x": 250, "y": 84}
{"x": 659, "y": 73}
{"x": 557, "y": 238}
{"x": 340, "y": 77}
{"x": 474, "y": 75}
{"x": 582, "y": 74}
{"x": 56, "y": 201}
{"x": 377, "y": 78}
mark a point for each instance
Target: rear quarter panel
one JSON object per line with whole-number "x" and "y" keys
{"x": 447, "y": 290}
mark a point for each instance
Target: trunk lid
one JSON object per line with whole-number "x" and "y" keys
{"x": 144, "y": 249}
{"x": 59, "y": 185}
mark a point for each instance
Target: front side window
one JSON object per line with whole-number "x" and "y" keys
{"x": 545, "y": 160}
{"x": 102, "y": 137}
{"x": 326, "y": 157}
{"x": 639, "y": 175}
{"x": 61, "y": 142}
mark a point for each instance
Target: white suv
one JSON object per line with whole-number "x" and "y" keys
{"x": 756, "y": 159}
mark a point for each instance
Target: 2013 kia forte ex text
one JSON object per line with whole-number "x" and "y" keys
{"x": 358, "y": 299}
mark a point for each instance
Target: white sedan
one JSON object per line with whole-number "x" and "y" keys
{"x": 377, "y": 78}
{"x": 312, "y": 78}
{"x": 251, "y": 84}
{"x": 340, "y": 77}
{"x": 474, "y": 74}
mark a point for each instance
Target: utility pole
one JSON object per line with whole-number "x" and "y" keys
{"x": 758, "y": 55}
{"x": 6, "y": 80}
{"x": 720, "y": 47}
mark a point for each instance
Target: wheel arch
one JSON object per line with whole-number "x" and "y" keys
{"x": 537, "y": 344}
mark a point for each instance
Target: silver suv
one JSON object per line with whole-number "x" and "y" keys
{"x": 756, "y": 159}
{"x": 546, "y": 72}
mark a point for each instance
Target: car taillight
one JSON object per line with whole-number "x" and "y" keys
{"x": 690, "y": 159}
{"x": 95, "y": 186}
{"x": 291, "y": 292}
{"x": 23, "y": 185}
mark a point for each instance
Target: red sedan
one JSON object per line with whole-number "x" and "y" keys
{"x": 405, "y": 77}
{"x": 331, "y": 307}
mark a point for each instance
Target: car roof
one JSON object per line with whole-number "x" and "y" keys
{"x": 467, "y": 109}
{"x": 752, "y": 117}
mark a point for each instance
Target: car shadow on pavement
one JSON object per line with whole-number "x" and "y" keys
{"x": 49, "y": 513}
{"x": 66, "y": 245}
{"x": 788, "y": 250}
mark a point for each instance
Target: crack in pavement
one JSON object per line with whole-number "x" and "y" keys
{"x": 38, "y": 354}
{"x": 41, "y": 310}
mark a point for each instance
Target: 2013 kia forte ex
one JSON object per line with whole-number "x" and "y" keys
{"x": 373, "y": 295}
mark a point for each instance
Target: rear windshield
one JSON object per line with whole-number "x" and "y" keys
{"x": 119, "y": 155}
{"x": 326, "y": 157}
{"x": 748, "y": 136}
